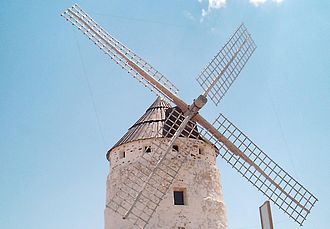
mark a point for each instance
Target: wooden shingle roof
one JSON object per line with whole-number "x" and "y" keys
{"x": 148, "y": 125}
{"x": 151, "y": 124}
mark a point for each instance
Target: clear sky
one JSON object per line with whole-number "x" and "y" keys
{"x": 63, "y": 103}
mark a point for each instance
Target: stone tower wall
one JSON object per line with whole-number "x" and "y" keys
{"x": 199, "y": 179}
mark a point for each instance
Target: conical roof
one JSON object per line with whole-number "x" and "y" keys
{"x": 151, "y": 124}
{"x": 148, "y": 125}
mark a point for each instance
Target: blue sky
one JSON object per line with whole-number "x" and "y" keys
{"x": 64, "y": 104}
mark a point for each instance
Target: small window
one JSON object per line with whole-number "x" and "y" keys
{"x": 147, "y": 149}
{"x": 175, "y": 148}
{"x": 122, "y": 154}
{"x": 179, "y": 197}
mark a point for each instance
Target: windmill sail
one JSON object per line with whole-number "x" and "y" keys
{"x": 224, "y": 68}
{"x": 264, "y": 173}
{"x": 126, "y": 58}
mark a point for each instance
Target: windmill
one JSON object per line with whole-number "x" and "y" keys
{"x": 138, "y": 198}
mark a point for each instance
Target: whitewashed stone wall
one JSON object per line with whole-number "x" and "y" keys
{"x": 199, "y": 177}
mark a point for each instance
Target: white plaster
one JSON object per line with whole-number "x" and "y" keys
{"x": 199, "y": 176}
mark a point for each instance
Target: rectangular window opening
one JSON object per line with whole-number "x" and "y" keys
{"x": 175, "y": 148}
{"x": 122, "y": 154}
{"x": 179, "y": 196}
{"x": 147, "y": 149}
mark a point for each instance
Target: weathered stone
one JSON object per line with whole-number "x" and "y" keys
{"x": 199, "y": 177}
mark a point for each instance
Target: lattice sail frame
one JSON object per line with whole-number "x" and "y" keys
{"x": 122, "y": 55}
{"x": 224, "y": 68}
{"x": 154, "y": 171}
{"x": 280, "y": 187}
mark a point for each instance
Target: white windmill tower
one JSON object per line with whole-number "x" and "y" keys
{"x": 195, "y": 197}
{"x": 160, "y": 162}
